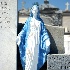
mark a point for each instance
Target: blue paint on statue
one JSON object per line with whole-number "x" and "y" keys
{"x": 41, "y": 35}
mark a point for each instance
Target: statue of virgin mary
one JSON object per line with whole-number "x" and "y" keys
{"x": 33, "y": 41}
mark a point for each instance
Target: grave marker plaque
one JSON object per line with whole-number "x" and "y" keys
{"x": 58, "y": 62}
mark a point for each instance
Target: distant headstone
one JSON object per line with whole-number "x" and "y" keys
{"x": 8, "y": 33}
{"x": 66, "y": 22}
{"x": 56, "y": 34}
{"x": 58, "y": 62}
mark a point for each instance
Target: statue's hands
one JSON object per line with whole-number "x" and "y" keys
{"x": 18, "y": 40}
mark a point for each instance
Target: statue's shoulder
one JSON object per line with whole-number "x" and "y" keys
{"x": 41, "y": 21}
{"x": 27, "y": 21}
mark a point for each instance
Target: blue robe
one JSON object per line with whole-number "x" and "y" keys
{"x": 43, "y": 48}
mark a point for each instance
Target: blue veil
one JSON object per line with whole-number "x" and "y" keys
{"x": 31, "y": 14}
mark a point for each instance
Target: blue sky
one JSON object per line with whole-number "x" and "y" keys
{"x": 57, "y": 3}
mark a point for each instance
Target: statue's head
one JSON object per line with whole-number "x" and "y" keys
{"x": 34, "y": 11}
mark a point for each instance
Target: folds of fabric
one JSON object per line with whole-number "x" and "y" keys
{"x": 44, "y": 45}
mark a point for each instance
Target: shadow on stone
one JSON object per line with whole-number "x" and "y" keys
{"x": 44, "y": 67}
{"x": 19, "y": 66}
{"x": 19, "y": 27}
{"x": 53, "y": 47}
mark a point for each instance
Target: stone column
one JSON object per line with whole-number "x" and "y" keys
{"x": 8, "y": 33}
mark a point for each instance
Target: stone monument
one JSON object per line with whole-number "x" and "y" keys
{"x": 8, "y": 33}
{"x": 62, "y": 61}
{"x": 66, "y": 19}
{"x": 58, "y": 62}
{"x": 51, "y": 13}
{"x": 56, "y": 34}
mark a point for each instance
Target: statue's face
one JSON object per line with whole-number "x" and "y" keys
{"x": 34, "y": 10}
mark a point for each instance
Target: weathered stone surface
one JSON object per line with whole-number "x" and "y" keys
{"x": 56, "y": 34}
{"x": 58, "y": 62}
{"x": 8, "y": 32}
{"x": 67, "y": 44}
{"x": 66, "y": 23}
{"x": 47, "y": 20}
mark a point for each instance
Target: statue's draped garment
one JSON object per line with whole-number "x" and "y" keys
{"x": 34, "y": 43}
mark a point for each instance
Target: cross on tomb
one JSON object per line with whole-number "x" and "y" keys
{"x": 23, "y": 4}
{"x": 46, "y": 0}
{"x": 67, "y": 6}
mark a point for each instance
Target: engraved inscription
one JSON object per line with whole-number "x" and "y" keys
{"x": 5, "y": 17}
{"x": 58, "y": 62}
